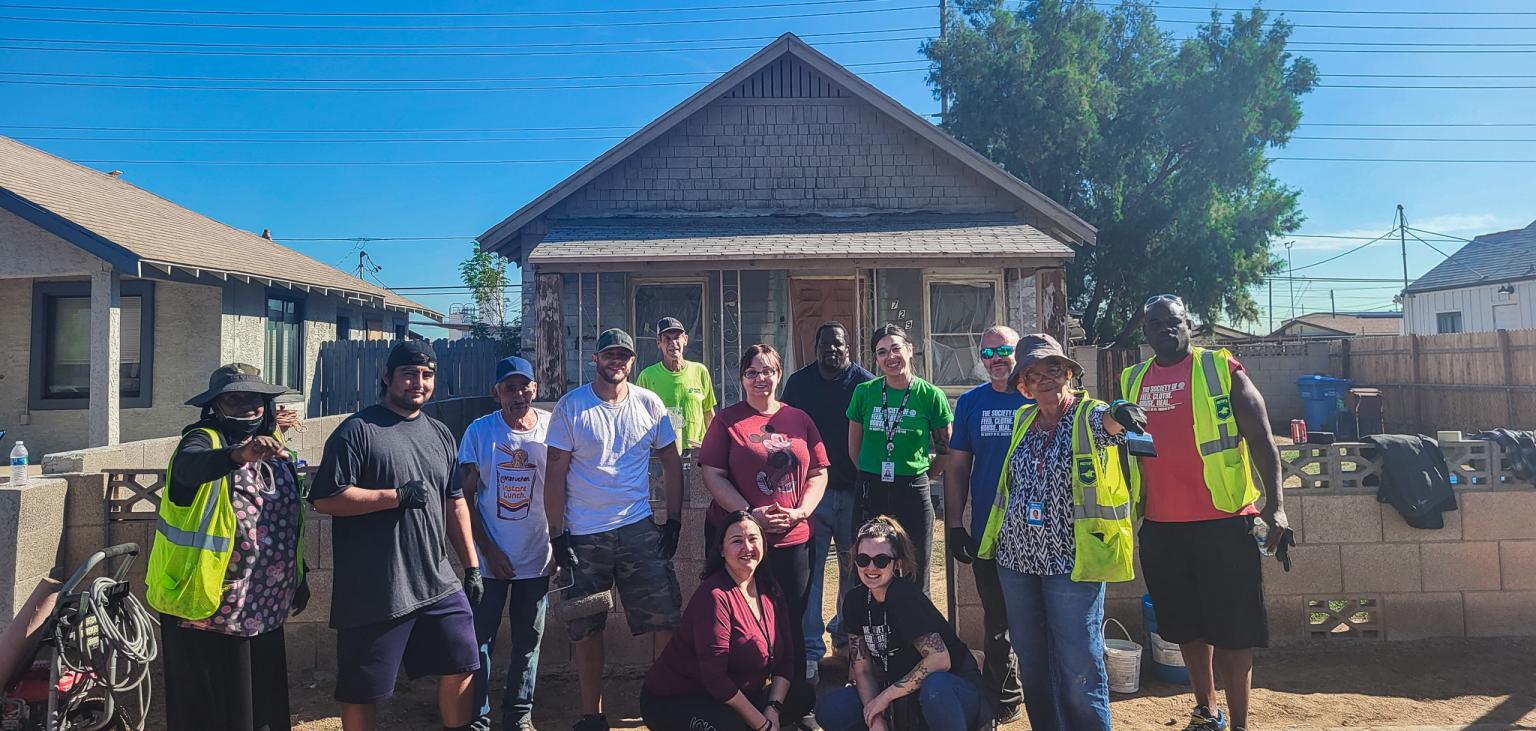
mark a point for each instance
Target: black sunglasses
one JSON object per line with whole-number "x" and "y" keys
{"x": 880, "y": 561}
{"x": 1001, "y": 351}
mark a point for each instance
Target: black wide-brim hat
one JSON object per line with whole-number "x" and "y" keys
{"x": 1034, "y": 348}
{"x": 236, "y": 378}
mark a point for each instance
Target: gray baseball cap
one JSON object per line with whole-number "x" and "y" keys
{"x": 615, "y": 338}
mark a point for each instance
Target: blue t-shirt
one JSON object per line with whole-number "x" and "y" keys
{"x": 983, "y": 427}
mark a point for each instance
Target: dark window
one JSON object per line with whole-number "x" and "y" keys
{"x": 343, "y": 327}
{"x": 1448, "y": 322}
{"x": 285, "y": 343}
{"x": 61, "y": 326}
{"x": 400, "y": 332}
{"x": 653, "y": 301}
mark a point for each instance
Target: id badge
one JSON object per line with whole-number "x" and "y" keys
{"x": 887, "y": 471}
{"x": 1034, "y": 514}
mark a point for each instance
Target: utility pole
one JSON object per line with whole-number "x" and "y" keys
{"x": 1271, "y": 305}
{"x": 1289, "y": 265}
{"x": 1402, "y": 239}
{"x": 1332, "y": 306}
{"x": 361, "y": 255}
{"x": 943, "y": 92}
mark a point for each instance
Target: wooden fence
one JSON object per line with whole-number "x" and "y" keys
{"x": 349, "y": 371}
{"x": 1457, "y": 381}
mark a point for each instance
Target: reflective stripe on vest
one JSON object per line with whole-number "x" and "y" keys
{"x": 199, "y": 539}
{"x": 1082, "y": 447}
{"x": 1227, "y": 440}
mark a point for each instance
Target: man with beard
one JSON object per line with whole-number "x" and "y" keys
{"x": 1201, "y": 563}
{"x": 823, "y": 389}
{"x": 684, "y": 386}
{"x": 386, "y": 478}
{"x": 501, "y": 466}
{"x": 597, "y": 500}
{"x": 978, "y": 451}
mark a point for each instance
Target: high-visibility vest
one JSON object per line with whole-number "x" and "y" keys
{"x": 193, "y": 543}
{"x": 1223, "y": 453}
{"x": 1102, "y": 534}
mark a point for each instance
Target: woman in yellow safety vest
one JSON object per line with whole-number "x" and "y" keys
{"x": 227, "y": 568}
{"x": 1059, "y": 529}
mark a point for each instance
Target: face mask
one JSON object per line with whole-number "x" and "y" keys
{"x": 241, "y": 428}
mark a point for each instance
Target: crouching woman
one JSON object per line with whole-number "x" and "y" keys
{"x": 728, "y": 665}
{"x": 908, "y": 667}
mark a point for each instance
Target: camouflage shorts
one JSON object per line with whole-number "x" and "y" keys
{"x": 626, "y": 556}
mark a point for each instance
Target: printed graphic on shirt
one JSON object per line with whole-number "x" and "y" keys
{"x": 782, "y": 465}
{"x": 996, "y": 423}
{"x": 1161, "y": 397}
{"x": 877, "y": 640}
{"x": 878, "y": 418}
{"x": 514, "y": 483}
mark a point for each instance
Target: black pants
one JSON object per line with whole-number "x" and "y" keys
{"x": 1000, "y": 673}
{"x": 790, "y": 567}
{"x": 217, "y": 681}
{"x": 700, "y": 712}
{"x": 910, "y": 502}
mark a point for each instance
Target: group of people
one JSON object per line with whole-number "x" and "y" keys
{"x": 533, "y": 502}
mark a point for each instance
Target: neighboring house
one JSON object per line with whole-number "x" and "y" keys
{"x": 109, "y": 288}
{"x": 786, "y": 193}
{"x": 1221, "y": 334}
{"x": 1489, "y": 284}
{"x": 1340, "y": 325}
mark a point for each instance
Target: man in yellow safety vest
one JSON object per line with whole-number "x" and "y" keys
{"x": 1199, "y": 555}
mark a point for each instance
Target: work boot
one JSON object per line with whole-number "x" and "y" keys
{"x": 1205, "y": 719}
{"x": 593, "y": 722}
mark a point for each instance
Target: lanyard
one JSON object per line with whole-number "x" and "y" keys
{"x": 890, "y": 425}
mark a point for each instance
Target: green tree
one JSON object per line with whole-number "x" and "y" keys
{"x": 486, "y": 276}
{"x": 1158, "y": 142}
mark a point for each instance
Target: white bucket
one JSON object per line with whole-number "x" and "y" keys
{"x": 1122, "y": 661}
{"x": 1166, "y": 653}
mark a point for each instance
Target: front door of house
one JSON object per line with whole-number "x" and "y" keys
{"x": 816, "y": 300}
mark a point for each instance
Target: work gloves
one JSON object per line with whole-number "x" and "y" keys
{"x": 565, "y": 556}
{"x": 413, "y": 495}
{"x": 301, "y": 597}
{"x": 960, "y": 545}
{"x": 669, "y": 535}
{"x": 474, "y": 586}
{"x": 1130, "y": 416}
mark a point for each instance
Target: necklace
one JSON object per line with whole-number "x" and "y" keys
{"x": 878, "y": 646}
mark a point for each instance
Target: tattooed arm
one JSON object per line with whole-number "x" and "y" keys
{"x": 862, "y": 669}
{"x": 935, "y": 660}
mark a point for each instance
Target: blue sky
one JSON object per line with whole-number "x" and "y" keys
{"x": 632, "y": 63}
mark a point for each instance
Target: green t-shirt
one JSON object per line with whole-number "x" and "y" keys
{"x": 688, "y": 393}
{"x": 927, "y": 409}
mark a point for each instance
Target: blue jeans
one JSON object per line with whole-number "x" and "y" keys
{"x": 832, "y": 521}
{"x": 524, "y": 602}
{"x": 949, "y": 703}
{"x": 1055, "y": 625}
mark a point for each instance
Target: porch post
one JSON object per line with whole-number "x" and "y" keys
{"x": 549, "y": 336}
{"x": 106, "y": 354}
{"x": 1051, "y": 302}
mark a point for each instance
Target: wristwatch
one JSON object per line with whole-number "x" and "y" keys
{"x": 775, "y": 705}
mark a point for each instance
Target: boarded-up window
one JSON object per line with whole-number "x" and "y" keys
{"x": 958, "y": 314}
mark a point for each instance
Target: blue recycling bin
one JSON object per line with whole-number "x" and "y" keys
{"x": 1322, "y": 398}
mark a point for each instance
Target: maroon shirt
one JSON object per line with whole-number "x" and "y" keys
{"x": 767, "y": 458}
{"x": 720, "y": 648}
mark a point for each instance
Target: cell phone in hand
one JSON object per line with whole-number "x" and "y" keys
{"x": 1140, "y": 445}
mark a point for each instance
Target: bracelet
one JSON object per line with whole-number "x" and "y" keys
{"x": 766, "y": 725}
{"x": 775, "y": 705}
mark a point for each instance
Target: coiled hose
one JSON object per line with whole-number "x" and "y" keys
{"x": 106, "y": 631}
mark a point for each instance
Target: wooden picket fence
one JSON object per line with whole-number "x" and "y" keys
{"x": 1456, "y": 381}
{"x": 349, "y": 371}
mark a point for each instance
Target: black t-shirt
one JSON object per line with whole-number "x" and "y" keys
{"x": 391, "y": 562}
{"x": 891, "y": 628}
{"x": 827, "y": 403}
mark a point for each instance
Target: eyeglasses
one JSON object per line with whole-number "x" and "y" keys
{"x": 1001, "y": 351}
{"x": 880, "y": 560}
{"x": 1054, "y": 371}
{"x": 1156, "y": 298}
{"x": 764, "y": 373}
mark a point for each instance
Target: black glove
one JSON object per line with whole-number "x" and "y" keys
{"x": 1130, "y": 416}
{"x": 669, "y": 535}
{"x": 960, "y": 545}
{"x": 474, "y": 586}
{"x": 413, "y": 495}
{"x": 565, "y": 556}
{"x": 1283, "y": 548}
{"x": 301, "y": 597}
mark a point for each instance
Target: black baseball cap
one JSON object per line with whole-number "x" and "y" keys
{"x": 669, "y": 323}
{"x": 615, "y": 338}
{"x": 411, "y": 353}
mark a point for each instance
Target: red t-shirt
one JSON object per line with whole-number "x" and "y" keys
{"x": 1174, "y": 480}
{"x": 767, "y": 458}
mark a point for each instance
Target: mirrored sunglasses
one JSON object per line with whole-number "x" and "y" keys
{"x": 1001, "y": 351}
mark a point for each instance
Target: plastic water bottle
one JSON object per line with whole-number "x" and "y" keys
{"x": 19, "y": 464}
{"x": 1261, "y": 536}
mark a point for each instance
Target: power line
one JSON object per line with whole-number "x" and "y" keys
{"x": 1415, "y": 124}
{"x": 402, "y": 140}
{"x": 1299, "y": 11}
{"x": 1412, "y": 139}
{"x": 583, "y": 160}
{"x": 1404, "y": 160}
{"x": 1336, "y": 257}
{"x": 396, "y": 54}
{"x": 478, "y": 14}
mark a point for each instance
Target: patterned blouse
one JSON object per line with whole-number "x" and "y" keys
{"x": 1040, "y": 477}
{"x": 261, "y": 580}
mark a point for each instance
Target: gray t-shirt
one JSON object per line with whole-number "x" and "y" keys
{"x": 391, "y": 562}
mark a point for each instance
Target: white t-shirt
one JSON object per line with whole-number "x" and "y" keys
{"x": 510, "y": 496}
{"x": 609, "y": 483}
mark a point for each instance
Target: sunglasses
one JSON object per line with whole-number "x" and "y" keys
{"x": 1156, "y": 298}
{"x": 882, "y": 560}
{"x": 1001, "y": 351}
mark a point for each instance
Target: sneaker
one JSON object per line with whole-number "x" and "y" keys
{"x": 525, "y": 725}
{"x": 1006, "y": 714}
{"x": 594, "y": 722}
{"x": 1204, "y": 719}
{"x": 809, "y": 723}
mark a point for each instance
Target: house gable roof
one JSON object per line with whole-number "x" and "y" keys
{"x": 138, "y": 232}
{"x": 503, "y": 237}
{"x": 1488, "y": 259}
{"x": 1348, "y": 323}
